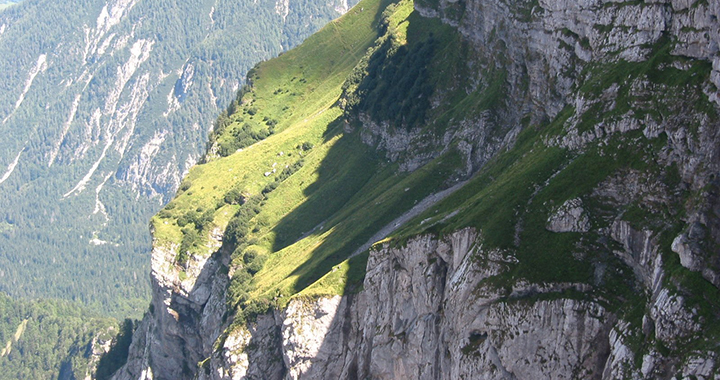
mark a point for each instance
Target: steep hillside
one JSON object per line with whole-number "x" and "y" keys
{"x": 455, "y": 190}
{"x": 104, "y": 105}
{"x": 45, "y": 339}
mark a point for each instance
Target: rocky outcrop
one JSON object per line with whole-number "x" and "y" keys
{"x": 545, "y": 47}
{"x": 422, "y": 315}
{"x": 570, "y": 217}
{"x": 186, "y": 316}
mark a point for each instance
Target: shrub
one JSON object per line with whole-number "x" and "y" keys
{"x": 184, "y": 186}
{"x": 189, "y": 241}
{"x": 254, "y": 261}
{"x": 234, "y": 197}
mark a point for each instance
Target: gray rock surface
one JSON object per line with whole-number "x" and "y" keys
{"x": 569, "y": 217}
{"x": 421, "y": 316}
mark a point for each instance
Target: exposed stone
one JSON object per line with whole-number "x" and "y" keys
{"x": 570, "y": 217}
{"x": 688, "y": 258}
{"x": 672, "y": 319}
{"x": 701, "y": 366}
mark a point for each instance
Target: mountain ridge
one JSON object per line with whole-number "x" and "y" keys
{"x": 582, "y": 242}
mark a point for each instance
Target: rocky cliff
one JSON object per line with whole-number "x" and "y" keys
{"x": 540, "y": 201}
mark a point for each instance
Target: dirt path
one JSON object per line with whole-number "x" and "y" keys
{"x": 423, "y": 205}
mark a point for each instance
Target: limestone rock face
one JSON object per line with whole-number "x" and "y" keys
{"x": 421, "y": 315}
{"x": 418, "y": 317}
{"x": 185, "y": 318}
{"x": 570, "y": 217}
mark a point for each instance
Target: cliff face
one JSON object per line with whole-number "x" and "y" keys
{"x": 586, "y": 244}
{"x": 420, "y": 317}
{"x": 425, "y": 313}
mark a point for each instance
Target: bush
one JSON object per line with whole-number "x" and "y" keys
{"x": 239, "y": 225}
{"x": 397, "y": 86}
{"x": 234, "y": 197}
{"x": 189, "y": 241}
{"x": 188, "y": 217}
{"x": 244, "y": 137}
{"x": 256, "y": 307}
{"x": 239, "y": 288}
{"x": 184, "y": 186}
{"x": 204, "y": 221}
{"x": 254, "y": 261}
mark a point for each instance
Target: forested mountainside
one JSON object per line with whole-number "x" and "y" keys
{"x": 53, "y": 339}
{"x": 104, "y": 104}
{"x": 487, "y": 189}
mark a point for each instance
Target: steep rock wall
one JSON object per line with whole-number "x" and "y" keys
{"x": 425, "y": 312}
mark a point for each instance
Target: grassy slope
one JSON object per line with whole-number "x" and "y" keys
{"x": 344, "y": 192}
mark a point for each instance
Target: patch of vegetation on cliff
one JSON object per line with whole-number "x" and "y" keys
{"x": 645, "y": 89}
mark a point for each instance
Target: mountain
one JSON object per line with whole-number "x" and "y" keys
{"x": 449, "y": 190}
{"x": 103, "y": 106}
{"x": 53, "y": 339}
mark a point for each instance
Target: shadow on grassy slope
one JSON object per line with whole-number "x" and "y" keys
{"x": 357, "y": 192}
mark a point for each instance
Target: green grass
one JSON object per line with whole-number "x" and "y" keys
{"x": 208, "y": 183}
{"x": 345, "y": 277}
{"x": 309, "y": 222}
{"x": 377, "y": 203}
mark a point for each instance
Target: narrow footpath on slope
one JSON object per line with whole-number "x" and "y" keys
{"x": 419, "y": 208}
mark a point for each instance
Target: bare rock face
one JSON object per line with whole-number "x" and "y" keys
{"x": 185, "y": 318}
{"x": 688, "y": 257}
{"x": 425, "y": 320}
{"x": 420, "y": 315}
{"x": 570, "y": 217}
{"x": 308, "y": 334}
